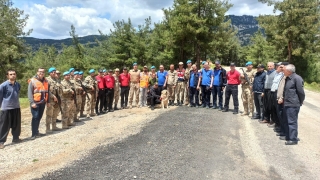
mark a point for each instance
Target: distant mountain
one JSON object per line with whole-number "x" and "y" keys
{"x": 246, "y": 26}
{"x": 35, "y": 43}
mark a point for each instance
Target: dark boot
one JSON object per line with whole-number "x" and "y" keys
{"x": 181, "y": 103}
{"x": 115, "y": 107}
{"x": 178, "y": 103}
{"x": 152, "y": 108}
{"x": 225, "y": 109}
{"x": 236, "y": 110}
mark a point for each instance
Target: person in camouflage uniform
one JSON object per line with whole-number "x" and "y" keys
{"x": 91, "y": 84}
{"x": 79, "y": 92}
{"x": 53, "y": 110}
{"x": 71, "y": 71}
{"x": 187, "y": 77}
{"x": 67, "y": 103}
{"x": 247, "y": 96}
{"x": 83, "y": 97}
{"x": 116, "y": 88}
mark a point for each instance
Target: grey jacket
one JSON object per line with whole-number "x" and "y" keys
{"x": 293, "y": 91}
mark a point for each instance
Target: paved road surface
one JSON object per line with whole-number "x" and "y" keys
{"x": 181, "y": 145}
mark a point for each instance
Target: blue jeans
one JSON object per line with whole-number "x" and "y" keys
{"x": 36, "y": 117}
{"x": 217, "y": 90}
{"x": 291, "y": 122}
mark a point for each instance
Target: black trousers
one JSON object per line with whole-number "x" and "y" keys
{"x": 291, "y": 122}
{"x": 124, "y": 95}
{"x": 231, "y": 90}
{"x": 109, "y": 98}
{"x": 258, "y": 102}
{"x": 267, "y": 105}
{"x": 100, "y": 99}
{"x": 205, "y": 95}
{"x": 194, "y": 96}
{"x": 274, "y": 109}
{"x": 10, "y": 119}
{"x": 281, "y": 119}
{"x": 154, "y": 100}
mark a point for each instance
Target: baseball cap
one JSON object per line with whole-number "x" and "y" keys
{"x": 284, "y": 63}
{"x": 51, "y": 69}
{"x": 58, "y": 72}
{"x": 76, "y": 72}
{"x": 203, "y": 62}
{"x": 110, "y": 70}
{"x": 117, "y": 69}
{"x": 260, "y": 66}
{"x": 217, "y": 62}
{"x": 80, "y": 72}
{"x": 134, "y": 64}
{"x": 92, "y": 71}
{"x": 100, "y": 70}
{"x": 104, "y": 70}
{"x": 189, "y": 61}
{"x": 153, "y": 67}
{"x": 145, "y": 66}
{"x": 125, "y": 68}
{"x": 232, "y": 64}
{"x": 180, "y": 63}
{"x": 248, "y": 63}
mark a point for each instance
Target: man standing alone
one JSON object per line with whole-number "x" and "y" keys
{"x": 233, "y": 77}
{"x": 38, "y": 95}
{"x": 10, "y": 115}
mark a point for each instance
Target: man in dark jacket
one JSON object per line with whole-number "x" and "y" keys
{"x": 258, "y": 88}
{"x": 219, "y": 82}
{"x": 154, "y": 95}
{"x": 293, "y": 98}
{"x": 194, "y": 86}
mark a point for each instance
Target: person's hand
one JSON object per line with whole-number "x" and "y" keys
{"x": 198, "y": 88}
{"x": 72, "y": 92}
{"x": 262, "y": 94}
{"x": 280, "y": 101}
{"x": 83, "y": 93}
{"x": 222, "y": 88}
{"x": 174, "y": 86}
{"x": 242, "y": 76}
{"x": 92, "y": 88}
{"x": 164, "y": 86}
{"x": 55, "y": 98}
{"x": 160, "y": 98}
{"x": 48, "y": 104}
{"x": 33, "y": 105}
{"x": 210, "y": 86}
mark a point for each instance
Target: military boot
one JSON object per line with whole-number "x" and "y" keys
{"x": 181, "y": 103}
{"x": 236, "y": 110}
{"x": 225, "y": 109}
{"x": 115, "y": 107}
{"x": 48, "y": 131}
{"x": 81, "y": 114}
{"x": 54, "y": 127}
{"x": 178, "y": 103}
{"x": 76, "y": 120}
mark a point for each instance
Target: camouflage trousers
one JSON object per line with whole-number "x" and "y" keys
{"x": 186, "y": 94}
{"x": 180, "y": 88}
{"x": 247, "y": 100}
{"x": 171, "y": 92}
{"x": 52, "y": 113}
{"x": 77, "y": 107}
{"x": 90, "y": 104}
{"x": 67, "y": 106}
{"x": 134, "y": 90}
{"x": 116, "y": 96}
{"x": 83, "y": 103}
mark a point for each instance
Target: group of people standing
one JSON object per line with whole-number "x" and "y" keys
{"x": 277, "y": 94}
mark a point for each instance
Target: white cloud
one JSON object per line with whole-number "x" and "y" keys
{"x": 52, "y": 18}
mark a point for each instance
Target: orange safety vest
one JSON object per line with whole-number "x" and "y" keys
{"x": 40, "y": 90}
{"x": 144, "y": 80}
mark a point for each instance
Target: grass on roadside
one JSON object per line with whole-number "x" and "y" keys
{"x": 24, "y": 103}
{"x": 312, "y": 86}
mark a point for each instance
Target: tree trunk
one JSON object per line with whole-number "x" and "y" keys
{"x": 289, "y": 51}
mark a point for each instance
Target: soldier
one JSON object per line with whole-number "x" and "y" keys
{"x": 186, "y": 77}
{"x": 67, "y": 103}
{"x": 79, "y": 93}
{"x": 53, "y": 110}
{"x": 246, "y": 95}
{"x": 71, "y": 71}
{"x": 58, "y": 80}
{"x": 153, "y": 71}
{"x": 83, "y": 97}
{"x": 180, "y": 84}
{"x": 172, "y": 78}
{"x": 116, "y": 88}
{"x": 134, "y": 84}
{"x": 91, "y": 84}
{"x": 144, "y": 81}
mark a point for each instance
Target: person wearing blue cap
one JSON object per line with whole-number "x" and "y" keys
{"x": 134, "y": 85}
{"x": 92, "y": 88}
{"x": 53, "y": 110}
{"x": 83, "y": 96}
{"x": 153, "y": 71}
{"x": 79, "y": 93}
{"x": 187, "y": 77}
{"x": 71, "y": 71}
{"x": 246, "y": 84}
{"x": 67, "y": 102}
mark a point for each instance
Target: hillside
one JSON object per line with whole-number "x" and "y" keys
{"x": 246, "y": 26}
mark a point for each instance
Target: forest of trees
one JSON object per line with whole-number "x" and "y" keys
{"x": 191, "y": 29}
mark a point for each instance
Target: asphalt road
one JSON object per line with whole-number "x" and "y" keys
{"x": 187, "y": 144}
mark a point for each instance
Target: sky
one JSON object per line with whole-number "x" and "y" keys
{"x": 52, "y": 19}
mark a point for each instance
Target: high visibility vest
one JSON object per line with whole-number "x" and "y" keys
{"x": 40, "y": 90}
{"x": 144, "y": 80}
